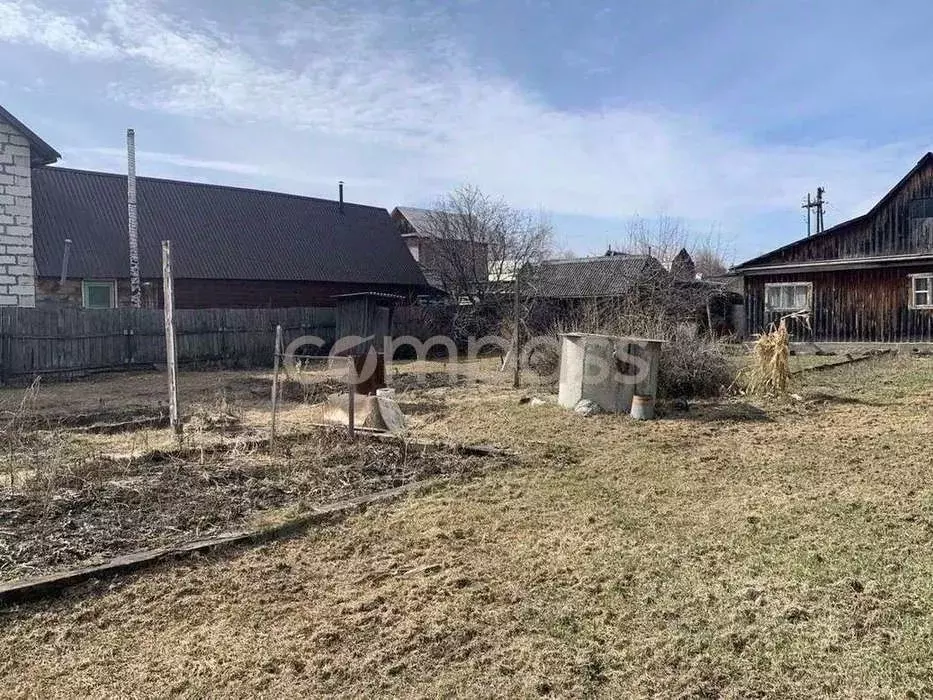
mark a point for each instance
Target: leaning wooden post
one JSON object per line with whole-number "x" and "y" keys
{"x": 275, "y": 380}
{"x": 351, "y": 395}
{"x": 517, "y": 344}
{"x": 171, "y": 359}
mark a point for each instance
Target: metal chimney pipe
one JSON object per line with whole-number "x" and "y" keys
{"x": 65, "y": 255}
{"x": 135, "y": 288}
{"x": 340, "y": 190}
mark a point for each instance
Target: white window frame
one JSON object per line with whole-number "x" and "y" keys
{"x": 928, "y": 276}
{"x": 113, "y": 292}
{"x": 773, "y": 285}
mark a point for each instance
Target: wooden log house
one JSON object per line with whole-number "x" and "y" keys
{"x": 868, "y": 279}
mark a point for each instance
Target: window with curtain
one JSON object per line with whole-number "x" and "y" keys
{"x": 788, "y": 296}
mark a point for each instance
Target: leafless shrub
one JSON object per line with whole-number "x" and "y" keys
{"x": 692, "y": 364}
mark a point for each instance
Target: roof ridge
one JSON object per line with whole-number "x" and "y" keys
{"x": 189, "y": 183}
{"x": 35, "y": 141}
{"x": 622, "y": 256}
{"x": 835, "y": 228}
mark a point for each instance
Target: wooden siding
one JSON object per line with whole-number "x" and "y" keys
{"x": 888, "y": 231}
{"x": 871, "y": 305}
{"x": 70, "y": 342}
{"x": 220, "y": 294}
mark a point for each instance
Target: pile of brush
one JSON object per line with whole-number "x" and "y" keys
{"x": 770, "y": 371}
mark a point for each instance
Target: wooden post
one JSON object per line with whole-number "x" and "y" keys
{"x": 517, "y": 340}
{"x": 275, "y": 380}
{"x": 171, "y": 360}
{"x": 351, "y": 395}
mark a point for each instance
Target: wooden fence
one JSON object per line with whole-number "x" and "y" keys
{"x": 72, "y": 342}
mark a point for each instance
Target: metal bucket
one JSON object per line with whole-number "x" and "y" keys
{"x": 642, "y": 407}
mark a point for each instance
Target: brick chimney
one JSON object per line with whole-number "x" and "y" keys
{"x": 17, "y": 259}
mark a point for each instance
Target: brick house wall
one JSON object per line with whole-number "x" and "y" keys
{"x": 17, "y": 261}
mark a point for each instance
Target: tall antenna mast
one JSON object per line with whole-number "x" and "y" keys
{"x": 135, "y": 287}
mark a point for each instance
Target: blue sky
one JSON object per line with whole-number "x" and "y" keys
{"x": 722, "y": 112}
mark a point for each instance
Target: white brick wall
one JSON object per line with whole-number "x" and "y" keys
{"x": 17, "y": 263}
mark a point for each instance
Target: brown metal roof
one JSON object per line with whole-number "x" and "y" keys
{"x": 217, "y": 232}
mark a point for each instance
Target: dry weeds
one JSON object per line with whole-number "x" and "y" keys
{"x": 779, "y": 550}
{"x": 84, "y": 512}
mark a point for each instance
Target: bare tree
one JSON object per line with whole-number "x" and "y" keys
{"x": 478, "y": 242}
{"x": 564, "y": 253}
{"x": 709, "y": 260}
{"x": 666, "y": 236}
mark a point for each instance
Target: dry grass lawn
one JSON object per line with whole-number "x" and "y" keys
{"x": 737, "y": 550}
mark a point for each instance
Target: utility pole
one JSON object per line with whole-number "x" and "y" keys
{"x": 818, "y": 205}
{"x": 819, "y": 210}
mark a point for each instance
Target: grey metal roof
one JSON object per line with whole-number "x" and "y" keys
{"x": 217, "y": 232}
{"x": 417, "y": 218}
{"x": 41, "y": 152}
{"x": 421, "y": 225}
{"x": 605, "y": 276}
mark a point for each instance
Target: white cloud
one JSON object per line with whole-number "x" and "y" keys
{"x": 22, "y": 21}
{"x": 115, "y": 158}
{"x": 314, "y": 93}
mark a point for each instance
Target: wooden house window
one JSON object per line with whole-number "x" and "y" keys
{"x": 788, "y": 296}
{"x": 99, "y": 294}
{"x": 921, "y": 291}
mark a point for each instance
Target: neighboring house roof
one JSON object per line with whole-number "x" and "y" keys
{"x": 217, "y": 232}
{"x": 682, "y": 265}
{"x": 418, "y": 220}
{"x": 842, "y": 227}
{"x": 605, "y": 276}
{"x": 41, "y": 152}
{"x": 419, "y": 224}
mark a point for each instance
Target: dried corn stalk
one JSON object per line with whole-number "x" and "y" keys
{"x": 770, "y": 371}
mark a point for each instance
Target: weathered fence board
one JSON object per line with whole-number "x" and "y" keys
{"x": 76, "y": 341}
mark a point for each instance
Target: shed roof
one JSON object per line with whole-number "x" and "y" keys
{"x": 604, "y": 276}
{"x": 41, "y": 152}
{"x": 217, "y": 232}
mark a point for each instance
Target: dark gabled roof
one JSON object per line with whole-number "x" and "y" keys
{"x": 217, "y": 232}
{"x": 605, "y": 276}
{"x": 41, "y": 152}
{"x": 841, "y": 227}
